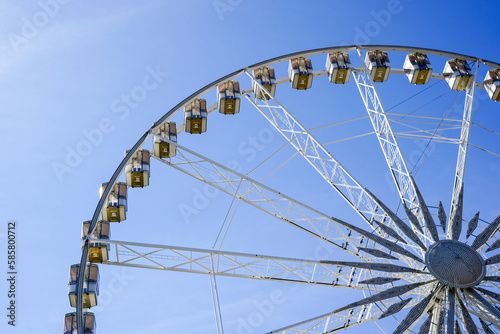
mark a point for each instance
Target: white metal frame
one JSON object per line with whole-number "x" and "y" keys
{"x": 328, "y": 229}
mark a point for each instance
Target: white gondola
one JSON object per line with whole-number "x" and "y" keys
{"x": 378, "y": 65}
{"x": 196, "y": 116}
{"x": 71, "y": 323}
{"x": 458, "y": 74}
{"x": 418, "y": 68}
{"x": 90, "y": 285}
{"x": 492, "y": 84}
{"x": 338, "y": 66}
{"x": 228, "y": 95}
{"x": 300, "y": 72}
{"x": 162, "y": 149}
{"x": 115, "y": 207}
{"x": 137, "y": 169}
{"x": 98, "y": 251}
{"x": 266, "y": 77}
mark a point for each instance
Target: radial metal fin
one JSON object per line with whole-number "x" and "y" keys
{"x": 429, "y": 221}
{"x": 379, "y": 280}
{"x": 399, "y": 223}
{"x": 470, "y": 326}
{"x": 489, "y": 293}
{"x": 384, "y": 242}
{"x": 424, "y": 329}
{"x": 389, "y": 293}
{"x": 386, "y": 267}
{"x": 487, "y": 233}
{"x": 455, "y": 223}
{"x": 472, "y": 225}
{"x": 486, "y": 328}
{"x": 377, "y": 253}
{"x": 442, "y": 216}
{"x": 492, "y": 260}
{"x": 449, "y": 311}
{"x": 494, "y": 246}
{"x": 413, "y": 219}
{"x": 395, "y": 308}
{"x": 492, "y": 278}
{"x": 390, "y": 231}
{"x": 414, "y": 314}
{"x": 485, "y": 308}
{"x": 457, "y": 328}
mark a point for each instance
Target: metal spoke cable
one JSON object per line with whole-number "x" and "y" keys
{"x": 267, "y": 159}
{"x": 277, "y": 168}
{"x": 425, "y": 151}
{"x": 225, "y": 218}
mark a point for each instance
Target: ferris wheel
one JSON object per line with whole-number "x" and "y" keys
{"x": 426, "y": 264}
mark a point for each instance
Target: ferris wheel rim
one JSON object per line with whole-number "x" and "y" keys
{"x": 214, "y": 84}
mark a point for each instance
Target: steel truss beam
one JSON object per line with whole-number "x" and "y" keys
{"x": 324, "y": 163}
{"x": 254, "y": 266}
{"x": 347, "y": 237}
{"x": 455, "y": 223}
{"x": 385, "y": 135}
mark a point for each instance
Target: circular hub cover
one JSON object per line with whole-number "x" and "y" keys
{"x": 455, "y": 264}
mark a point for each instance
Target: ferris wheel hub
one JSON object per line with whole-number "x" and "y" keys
{"x": 455, "y": 264}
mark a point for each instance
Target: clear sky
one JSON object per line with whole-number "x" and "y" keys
{"x": 67, "y": 70}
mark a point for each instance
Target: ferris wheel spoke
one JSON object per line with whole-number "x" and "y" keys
{"x": 424, "y": 329}
{"x": 467, "y": 321}
{"x": 364, "y": 310}
{"x": 346, "y": 274}
{"x": 385, "y": 135}
{"x": 489, "y": 293}
{"x": 449, "y": 311}
{"x": 482, "y": 307}
{"x": 322, "y": 161}
{"x": 417, "y": 312}
{"x": 486, "y": 234}
{"x": 335, "y": 231}
{"x": 399, "y": 222}
{"x": 437, "y": 317}
{"x": 455, "y": 222}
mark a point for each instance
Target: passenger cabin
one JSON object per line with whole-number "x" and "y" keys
{"x": 338, "y": 66}
{"x": 98, "y": 251}
{"x": 71, "y": 323}
{"x": 115, "y": 207}
{"x": 228, "y": 94}
{"x": 418, "y": 68}
{"x": 492, "y": 84}
{"x": 137, "y": 169}
{"x": 300, "y": 72}
{"x": 378, "y": 65}
{"x": 266, "y": 77}
{"x": 90, "y": 285}
{"x": 163, "y": 149}
{"x": 196, "y": 116}
{"x": 458, "y": 74}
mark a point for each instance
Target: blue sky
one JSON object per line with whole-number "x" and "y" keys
{"x": 66, "y": 69}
